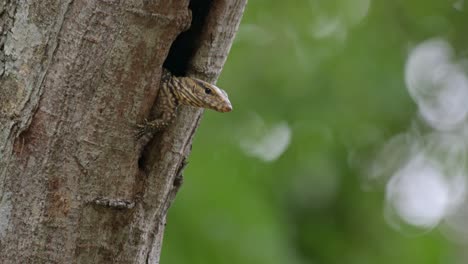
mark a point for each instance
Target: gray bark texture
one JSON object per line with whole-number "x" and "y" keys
{"x": 75, "y": 78}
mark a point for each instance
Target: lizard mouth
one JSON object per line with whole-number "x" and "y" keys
{"x": 226, "y": 108}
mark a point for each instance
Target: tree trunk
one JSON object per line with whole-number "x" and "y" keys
{"x": 75, "y": 78}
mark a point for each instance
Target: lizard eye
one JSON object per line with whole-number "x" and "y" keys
{"x": 207, "y": 90}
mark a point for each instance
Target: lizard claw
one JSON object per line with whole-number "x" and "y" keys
{"x": 149, "y": 127}
{"x": 142, "y": 129}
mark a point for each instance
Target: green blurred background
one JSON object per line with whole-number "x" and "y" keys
{"x": 317, "y": 87}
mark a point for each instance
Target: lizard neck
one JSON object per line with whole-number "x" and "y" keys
{"x": 180, "y": 88}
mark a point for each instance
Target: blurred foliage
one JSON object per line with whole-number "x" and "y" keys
{"x": 334, "y": 72}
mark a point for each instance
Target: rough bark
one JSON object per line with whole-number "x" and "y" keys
{"x": 75, "y": 77}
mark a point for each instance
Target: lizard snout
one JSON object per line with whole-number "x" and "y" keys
{"x": 226, "y": 108}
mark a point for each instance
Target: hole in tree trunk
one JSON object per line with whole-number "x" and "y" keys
{"x": 183, "y": 49}
{"x": 188, "y": 42}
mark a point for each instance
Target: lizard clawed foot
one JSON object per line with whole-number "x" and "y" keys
{"x": 143, "y": 129}
{"x": 149, "y": 127}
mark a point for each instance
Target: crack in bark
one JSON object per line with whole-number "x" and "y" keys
{"x": 47, "y": 60}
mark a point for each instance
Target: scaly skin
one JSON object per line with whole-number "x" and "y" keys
{"x": 186, "y": 91}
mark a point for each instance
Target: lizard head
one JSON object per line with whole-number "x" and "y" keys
{"x": 206, "y": 95}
